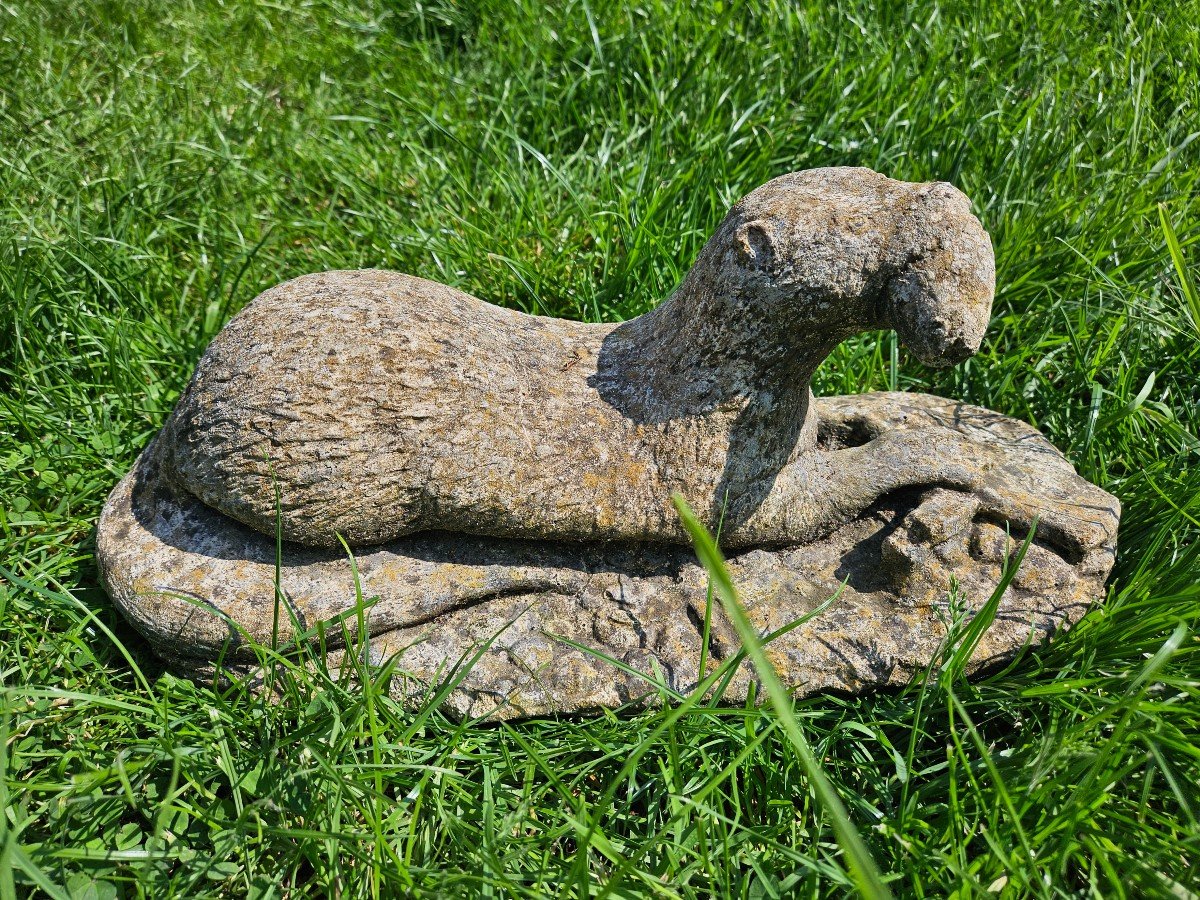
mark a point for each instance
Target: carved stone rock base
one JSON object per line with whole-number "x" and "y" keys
{"x": 199, "y": 585}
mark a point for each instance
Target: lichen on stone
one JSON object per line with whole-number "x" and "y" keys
{"x": 508, "y": 477}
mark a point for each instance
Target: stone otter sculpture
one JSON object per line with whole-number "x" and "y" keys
{"x": 383, "y": 404}
{"x": 505, "y": 480}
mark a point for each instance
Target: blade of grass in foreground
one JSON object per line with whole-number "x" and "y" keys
{"x": 1190, "y": 295}
{"x": 862, "y": 866}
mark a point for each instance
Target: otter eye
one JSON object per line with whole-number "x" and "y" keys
{"x": 753, "y": 245}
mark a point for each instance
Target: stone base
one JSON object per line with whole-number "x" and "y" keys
{"x": 199, "y": 586}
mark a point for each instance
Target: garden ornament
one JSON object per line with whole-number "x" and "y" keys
{"x": 500, "y": 484}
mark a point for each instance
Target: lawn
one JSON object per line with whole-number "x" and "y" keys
{"x": 161, "y": 163}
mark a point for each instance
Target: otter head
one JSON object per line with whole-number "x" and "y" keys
{"x": 834, "y": 252}
{"x": 938, "y": 297}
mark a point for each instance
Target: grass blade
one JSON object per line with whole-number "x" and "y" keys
{"x": 1190, "y": 296}
{"x": 862, "y": 866}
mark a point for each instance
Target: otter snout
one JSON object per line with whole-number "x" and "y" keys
{"x": 939, "y": 297}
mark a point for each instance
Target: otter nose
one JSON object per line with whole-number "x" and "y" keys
{"x": 941, "y": 320}
{"x": 955, "y": 349}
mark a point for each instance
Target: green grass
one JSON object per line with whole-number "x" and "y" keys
{"x": 163, "y": 162}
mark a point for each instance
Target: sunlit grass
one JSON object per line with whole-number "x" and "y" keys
{"x": 162, "y": 163}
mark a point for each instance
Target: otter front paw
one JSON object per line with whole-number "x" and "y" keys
{"x": 1010, "y": 487}
{"x": 945, "y": 538}
{"x": 1071, "y": 515}
{"x": 927, "y": 456}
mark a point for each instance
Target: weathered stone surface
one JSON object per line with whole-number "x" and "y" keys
{"x": 385, "y": 405}
{"x": 508, "y": 477}
{"x": 197, "y": 584}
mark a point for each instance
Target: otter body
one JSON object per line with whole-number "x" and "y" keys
{"x": 372, "y": 404}
{"x": 382, "y": 404}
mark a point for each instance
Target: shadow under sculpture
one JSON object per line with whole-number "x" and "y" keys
{"x": 507, "y": 478}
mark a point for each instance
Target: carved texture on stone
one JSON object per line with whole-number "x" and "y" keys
{"x": 508, "y": 476}
{"x": 385, "y": 405}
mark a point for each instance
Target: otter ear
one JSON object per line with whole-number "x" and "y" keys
{"x": 753, "y": 245}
